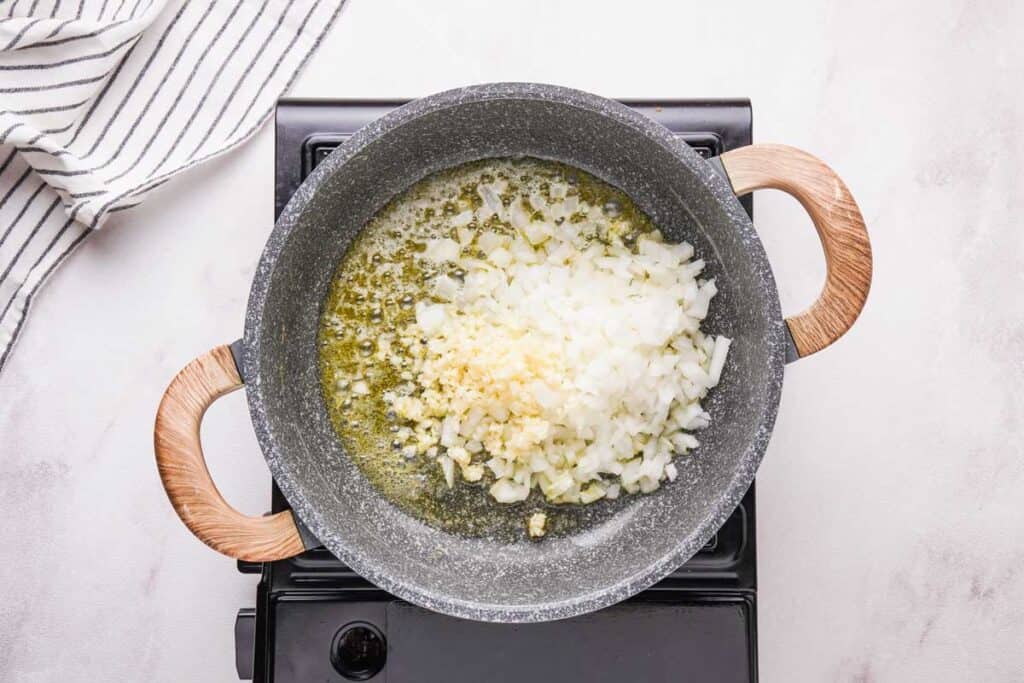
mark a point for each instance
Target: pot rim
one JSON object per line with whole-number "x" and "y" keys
{"x": 743, "y": 476}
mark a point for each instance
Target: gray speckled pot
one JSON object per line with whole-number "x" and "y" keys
{"x": 481, "y": 578}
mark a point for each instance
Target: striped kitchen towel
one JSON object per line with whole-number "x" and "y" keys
{"x": 101, "y": 101}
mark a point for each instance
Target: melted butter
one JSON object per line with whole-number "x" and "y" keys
{"x": 372, "y": 296}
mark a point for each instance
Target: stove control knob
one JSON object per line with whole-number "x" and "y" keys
{"x": 359, "y": 651}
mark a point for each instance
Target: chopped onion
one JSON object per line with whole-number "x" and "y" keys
{"x": 718, "y": 359}
{"x": 463, "y": 218}
{"x": 559, "y": 362}
{"x": 448, "y": 467}
{"x": 506, "y": 491}
{"x": 441, "y": 250}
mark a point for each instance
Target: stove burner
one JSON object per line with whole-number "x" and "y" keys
{"x": 317, "y": 620}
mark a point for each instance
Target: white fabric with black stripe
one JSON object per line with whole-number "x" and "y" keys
{"x": 101, "y": 101}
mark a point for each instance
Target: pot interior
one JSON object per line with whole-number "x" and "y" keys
{"x": 621, "y": 546}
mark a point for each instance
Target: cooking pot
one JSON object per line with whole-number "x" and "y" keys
{"x": 619, "y": 547}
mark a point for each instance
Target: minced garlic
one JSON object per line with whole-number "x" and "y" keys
{"x": 535, "y": 525}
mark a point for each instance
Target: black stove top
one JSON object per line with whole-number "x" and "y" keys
{"x": 317, "y": 620}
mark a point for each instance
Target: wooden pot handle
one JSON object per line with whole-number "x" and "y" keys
{"x": 179, "y": 457}
{"x": 840, "y": 226}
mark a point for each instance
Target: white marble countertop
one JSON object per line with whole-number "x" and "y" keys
{"x": 891, "y": 537}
